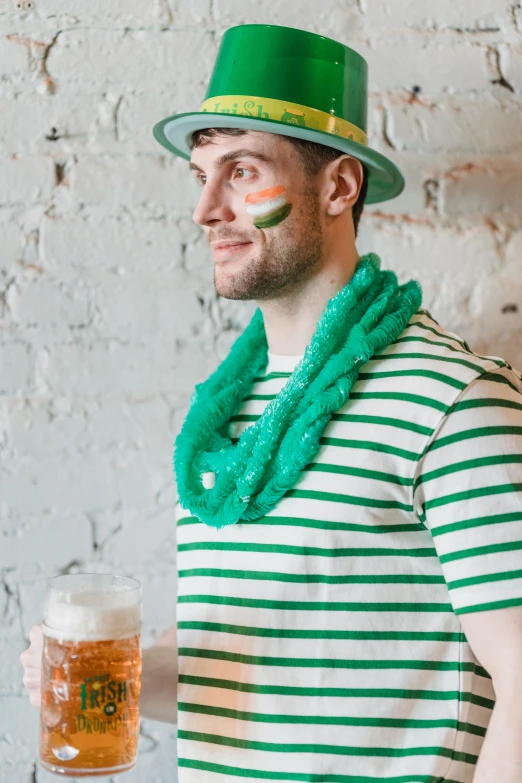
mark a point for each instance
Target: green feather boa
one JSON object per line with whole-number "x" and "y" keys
{"x": 252, "y": 475}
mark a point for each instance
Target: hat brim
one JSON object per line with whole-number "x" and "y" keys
{"x": 385, "y": 179}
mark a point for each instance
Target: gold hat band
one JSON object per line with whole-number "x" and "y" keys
{"x": 284, "y": 111}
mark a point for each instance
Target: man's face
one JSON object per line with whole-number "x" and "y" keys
{"x": 260, "y": 212}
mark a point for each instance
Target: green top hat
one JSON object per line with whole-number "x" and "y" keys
{"x": 288, "y": 81}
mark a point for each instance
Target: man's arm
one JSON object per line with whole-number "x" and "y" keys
{"x": 496, "y": 639}
{"x": 468, "y": 493}
{"x": 158, "y": 697}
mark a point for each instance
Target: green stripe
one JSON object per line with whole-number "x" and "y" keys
{"x": 272, "y": 376}
{"x": 471, "y": 728}
{"x": 382, "y": 420}
{"x": 444, "y": 344}
{"x": 354, "y": 693}
{"x": 287, "y": 633}
{"x": 266, "y": 397}
{"x": 416, "y": 399}
{"x": 331, "y": 663}
{"x": 337, "y": 497}
{"x": 470, "y": 494}
{"x": 324, "y": 663}
{"x": 447, "y": 379}
{"x": 184, "y": 521}
{"x": 501, "y": 363}
{"x": 478, "y": 432}
{"x": 374, "y": 475}
{"x": 470, "y": 464}
{"x": 436, "y": 344}
{"x": 484, "y": 579}
{"x": 370, "y": 446}
{"x": 336, "y": 750}
{"x": 490, "y": 549}
{"x": 497, "y": 378}
{"x": 342, "y": 579}
{"x": 491, "y": 605}
{"x": 430, "y": 357}
{"x": 327, "y": 720}
{"x": 318, "y": 524}
{"x": 307, "y": 551}
{"x": 489, "y": 402}
{"x": 315, "y": 606}
{"x": 272, "y": 218}
{"x": 303, "y": 777}
{"x": 436, "y": 376}
{"x": 447, "y": 336}
{"x": 514, "y": 516}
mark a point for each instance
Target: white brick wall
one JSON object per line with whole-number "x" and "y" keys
{"x": 107, "y": 311}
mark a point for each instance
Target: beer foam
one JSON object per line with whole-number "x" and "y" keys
{"x": 92, "y": 616}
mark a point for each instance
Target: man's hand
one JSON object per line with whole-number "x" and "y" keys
{"x": 31, "y": 660}
{"x": 158, "y": 697}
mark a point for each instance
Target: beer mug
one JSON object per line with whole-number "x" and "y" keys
{"x": 91, "y": 674}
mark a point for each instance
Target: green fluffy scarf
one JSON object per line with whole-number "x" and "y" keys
{"x": 252, "y": 475}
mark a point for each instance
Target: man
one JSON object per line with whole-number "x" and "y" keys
{"x": 350, "y": 517}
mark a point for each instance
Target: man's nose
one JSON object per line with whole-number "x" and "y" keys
{"x": 213, "y": 206}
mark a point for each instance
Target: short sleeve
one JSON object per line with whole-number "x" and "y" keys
{"x": 468, "y": 493}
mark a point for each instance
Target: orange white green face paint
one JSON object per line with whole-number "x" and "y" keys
{"x": 268, "y": 207}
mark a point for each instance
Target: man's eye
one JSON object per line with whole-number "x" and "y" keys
{"x": 242, "y": 173}
{"x": 201, "y": 179}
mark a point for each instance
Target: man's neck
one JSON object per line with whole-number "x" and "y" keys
{"x": 291, "y": 319}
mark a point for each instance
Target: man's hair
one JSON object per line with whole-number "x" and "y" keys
{"x": 313, "y": 157}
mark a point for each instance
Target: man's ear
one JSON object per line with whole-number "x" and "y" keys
{"x": 344, "y": 179}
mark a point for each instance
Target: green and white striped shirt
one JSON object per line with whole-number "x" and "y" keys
{"x": 322, "y": 642}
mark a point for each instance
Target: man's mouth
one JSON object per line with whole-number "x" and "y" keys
{"x": 228, "y": 248}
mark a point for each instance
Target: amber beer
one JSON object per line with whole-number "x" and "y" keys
{"x": 91, "y": 675}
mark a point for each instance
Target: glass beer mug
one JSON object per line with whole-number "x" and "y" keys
{"x": 91, "y": 675}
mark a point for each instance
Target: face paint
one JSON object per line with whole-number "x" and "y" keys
{"x": 268, "y": 207}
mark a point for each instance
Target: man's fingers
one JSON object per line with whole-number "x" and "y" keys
{"x": 32, "y": 680}
{"x": 36, "y": 635}
{"x": 33, "y": 672}
{"x": 34, "y": 698}
{"x": 31, "y": 660}
{"x": 32, "y": 656}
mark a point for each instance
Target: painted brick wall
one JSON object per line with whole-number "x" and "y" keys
{"x": 107, "y": 311}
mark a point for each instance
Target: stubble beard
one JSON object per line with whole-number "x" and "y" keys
{"x": 294, "y": 252}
